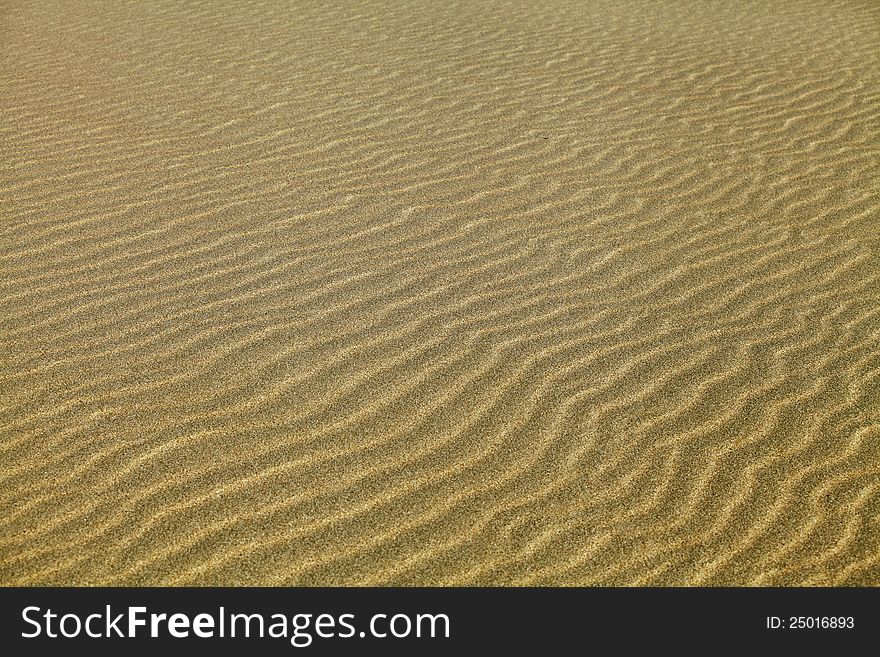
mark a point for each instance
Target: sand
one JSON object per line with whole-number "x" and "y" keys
{"x": 444, "y": 293}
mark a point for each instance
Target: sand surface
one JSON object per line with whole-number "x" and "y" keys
{"x": 440, "y": 292}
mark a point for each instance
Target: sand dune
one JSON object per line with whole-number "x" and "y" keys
{"x": 440, "y": 293}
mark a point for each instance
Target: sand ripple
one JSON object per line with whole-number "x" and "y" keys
{"x": 440, "y": 293}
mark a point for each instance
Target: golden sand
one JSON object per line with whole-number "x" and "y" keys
{"x": 440, "y": 292}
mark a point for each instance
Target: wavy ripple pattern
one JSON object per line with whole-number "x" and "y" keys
{"x": 465, "y": 293}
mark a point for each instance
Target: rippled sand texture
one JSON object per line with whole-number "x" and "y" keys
{"x": 440, "y": 293}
